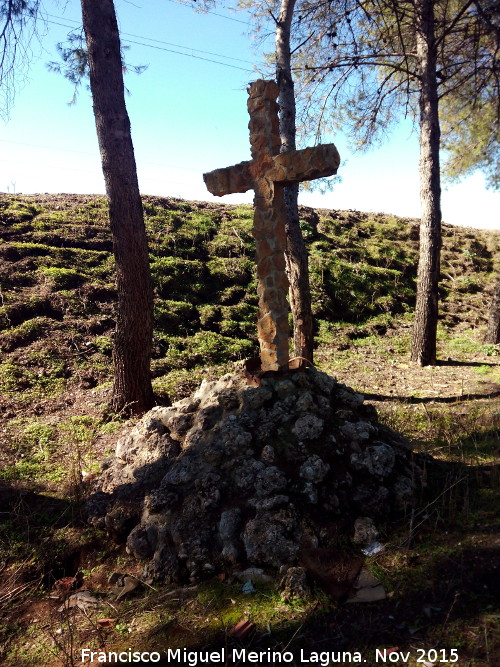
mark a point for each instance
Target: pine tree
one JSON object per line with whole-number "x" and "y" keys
{"x": 132, "y": 390}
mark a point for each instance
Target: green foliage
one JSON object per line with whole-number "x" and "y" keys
{"x": 16, "y": 377}
{"x": 179, "y": 382}
{"x": 61, "y": 278}
{"x": 235, "y": 320}
{"x": 362, "y": 265}
{"x": 307, "y": 230}
{"x": 174, "y": 277}
{"x": 175, "y": 317}
{"x": 35, "y": 447}
{"x": 19, "y": 211}
{"x": 74, "y": 62}
{"x": 471, "y": 139}
{"x": 470, "y": 436}
{"x": 104, "y": 344}
{"x": 79, "y": 429}
{"x": 33, "y": 470}
{"x": 244, "y": 212}
{"x": 81, "y": 257}
{"x": 354, "y": 291}
{"x": 27, "y": 248}
{"x": 229, "y": 271}
{"x": 24, "y": 333}
{"x": 206, "y": 348}
{"x": 38, "y": 438}
{"x": 465, "y": 344}
{"x": 176, "y": 233}
{"x": 234, "y": 237}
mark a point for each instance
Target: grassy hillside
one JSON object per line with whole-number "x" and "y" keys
{"x": 57, "y": 309}
{"x": 58, "y": 293}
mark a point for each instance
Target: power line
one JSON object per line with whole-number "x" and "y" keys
{"x": 167, "y": 50}
{"x": 151, "y": 39}
{"x": 190, "y": 48}
{"x": 190, "y": 55}
{"x": 180, "y": 53}
{"x": 208, "y": 11}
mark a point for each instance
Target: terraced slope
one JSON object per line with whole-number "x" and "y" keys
{"x": 58, "y": 295}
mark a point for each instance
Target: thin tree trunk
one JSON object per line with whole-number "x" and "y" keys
{"x": 132, "y": 389}
{"x": 426, "y": 310}
{"x": 493, "y": 329}
{"x": 296, "y": 254}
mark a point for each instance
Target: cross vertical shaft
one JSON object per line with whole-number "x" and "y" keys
{"x": 268, "y": 227}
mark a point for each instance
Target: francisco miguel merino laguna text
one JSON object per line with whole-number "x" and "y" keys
{"x": 243, "y": 656}
{"x": 195, "y": 658}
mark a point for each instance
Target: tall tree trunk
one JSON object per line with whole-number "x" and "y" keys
{"x": 132, "y": 389}
{"x": 426, "y": 310}
{"x": 493, "y": 329}
{"x": 296, "y": 254}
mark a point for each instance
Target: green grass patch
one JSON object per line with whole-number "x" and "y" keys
{"x": 468, "y": 436}
{"x": 20, "y": 211}
{"x": 60, "y": 278}
{"x": 175, "y": 317}
{"x": 206, "y": 348}
{"x": 25, "y": 333}
{"x": 465, "y": 345}
{"x": 15, "y": 377}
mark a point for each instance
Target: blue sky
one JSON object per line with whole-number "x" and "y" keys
{"x": 188, "y": 116}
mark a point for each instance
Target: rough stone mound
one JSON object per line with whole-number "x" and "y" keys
{"x": 251, "y": 475}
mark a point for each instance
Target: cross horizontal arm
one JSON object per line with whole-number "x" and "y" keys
{"x": 306, "y": 164}
{"x": 229, "y": 179}
{"x": 290, "y": 167}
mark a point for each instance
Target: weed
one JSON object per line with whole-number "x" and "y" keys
{"x": 178, "y": 383}
{"x": 172, "y": 275}
{"x": 15, "y": 377}
{"x": 465, "y": 345}
{"x": 483, "y": 370}
{"x": 61, "y": 278}
{"x": 244, "y": 212}
{"x": 110, "y": 427}
{"x": 175, "y": 317}
{"x": 34, "y": 470}
{"x": 308, "y": 231}
{"x": 79, "y": 430}
{"x": 25, "y": 333}
{"x": 20, "y": 211}
{"x": 229, "y": 271}
{"x": 467, "y": 436}
{"x": 401, "y": 344}
{"x": 40, "y": 437}
{"x": 103, "y": 344}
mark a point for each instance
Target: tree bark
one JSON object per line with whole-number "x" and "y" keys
{"x": 426, "y": 310}
{"x": 297, "y": 264}
{"x": 493, "y": 329}
{"x": 132, "y": 390}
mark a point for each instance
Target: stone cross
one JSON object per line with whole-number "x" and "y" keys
{"x": 267, "y": 174}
